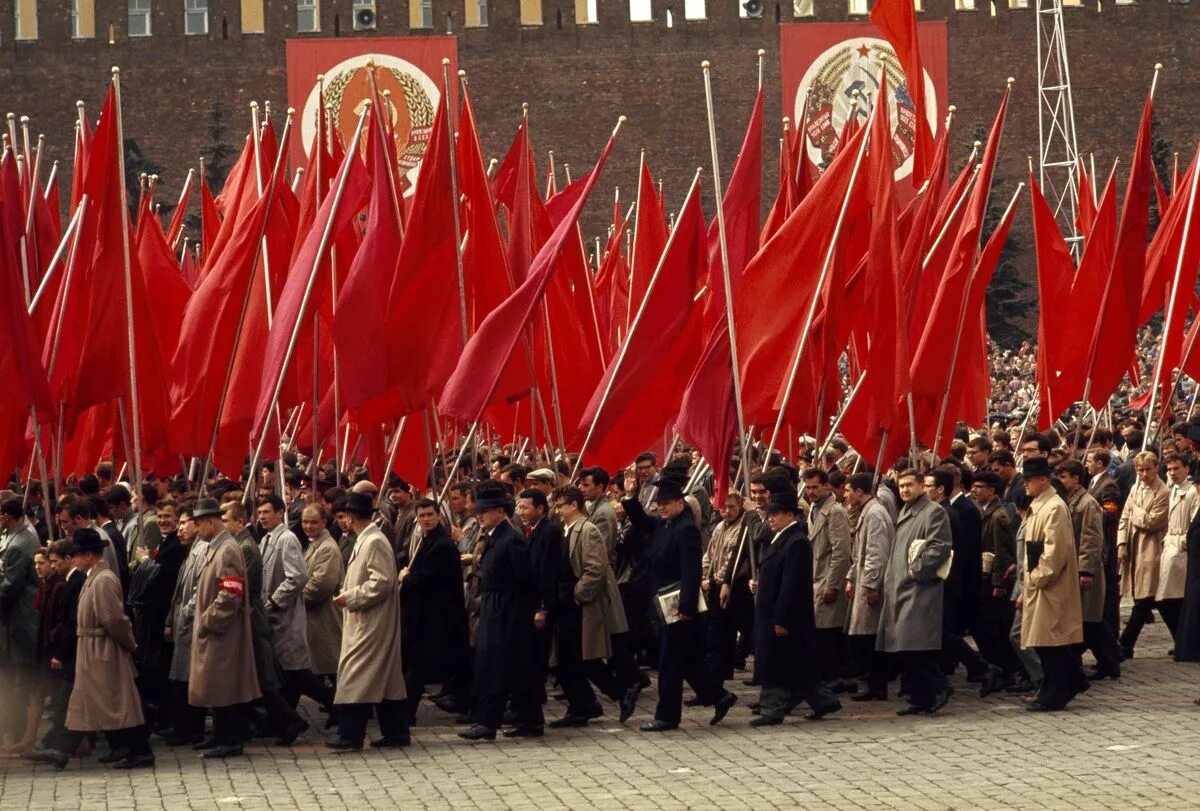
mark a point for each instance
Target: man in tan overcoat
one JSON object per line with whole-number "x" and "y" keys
{"x": 323, "y": 560}
{"x": 1140, "y": 534}
{"x": 222, "y": 675}
{"x": 830, "y": 537}
{"x": 370, "y": 671}
{"x": 104, "y": 697}
{"x": 1052, "y": 620}
{"x": 1172, "y": 568}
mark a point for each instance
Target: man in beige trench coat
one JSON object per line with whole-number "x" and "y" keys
{"x": 1052, "y": 618}
{"x": 104, "y": 697}
{"x": 1140, "y": 535}
{"x": 222, "y": 675}
{"x": 370, "y": 672}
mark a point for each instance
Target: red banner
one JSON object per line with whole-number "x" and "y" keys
{"x": 409, "y": 68}
{"x": 827, "y": 63}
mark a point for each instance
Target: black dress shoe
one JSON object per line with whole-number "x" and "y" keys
{"x": 752, "y": 682}
{"x": 114, "y": 756}
{"x": 218, "y": 752}
{"x": 343, "y": 745}
{"x": 766, "y": 721}
{"x": 509, "y": 718}
{"x": 290, "y": 734}
{"x": 594, "y": 711}
{"x": 1098, "y": 674}
{"x": 449, "y": 704}
{"x": 1037, "y": 706}
{"x": 207, "y": 743}
{"x": 524, "y": 732}
{"x": 1126, "y": 653}
{"x": 136, "y": 762}
{"x": 1020, "y": 686}
{"x": 694, "y": 701}
{"x": 658, "y": 726}
{"x": 568, "y": 721}
{"x": 870, "y": 695}
{"x": 820, "y": 712}
{"x": 391, "y": 742}
{"x": 941, "y": 700}
{"x": 912, "y": 709}
{"x": 724, "y": 704}
{"x": 478, "y": 732}
{"x": 629, "y": 702}
{"x": 59, "y": 759}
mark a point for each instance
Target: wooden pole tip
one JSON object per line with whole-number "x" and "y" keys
{"x": 978, "y": 144}
{"x": 254, "y": 105}
{"x": 320, "y": 77}
{"x": 291, "y": 111}
{"x": 79, "y": 104}
{"x": 1158, "y": 66}
{"x": 446, "y": 61}
{"x": 952, "y": 108}
{"x": 387, "y": 94}
{"x": 1011, "y": 81}
{"x": 11, "y": 116}
{"x": 24, "y": 120}
{"x": 462, "y": 74}
{"x": 787, "y": 120}
{"x": 762, "y": 51}
{"x": 115, "y": 70}
{"x": 705, "y": 65}
{"x": 621, "y": 119}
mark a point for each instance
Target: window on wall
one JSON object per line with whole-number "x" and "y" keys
{"x": 964, "y": 5}
{"x": 252, "y": 17}
{"x": 531, "y": 12}
{"x": 139, "y": 18}
{"x": 918, "y": 5}
{"x": 858, "y": 7}
{"x": 477, "y": 13}
{"x": 420, "y": 14}
{"x": 308, "y": 16}
{"x": 83, "y": 19}
{"x": 640, "y": 11}
{"x": 585, "y": 11}
{"x": 1018, "y": 3}
{"x": 803, "y": 8}
{"x": 694, "y": 10}
{"x": 195, "y": 17}
{"x": 26, "y": 19}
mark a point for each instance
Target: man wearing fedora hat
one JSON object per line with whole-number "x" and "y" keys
{"x": 222, "y": 674}
{"x": 1051, "y": 616}
{"x": 506, "y": 665}
{"x": 786, "y": 634}
{"x": 370, "y": 670}
{"x": 104, "y": 697}
{"x": 673, "y": 546}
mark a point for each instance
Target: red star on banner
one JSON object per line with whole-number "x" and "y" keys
{"x": 863, "y": 51}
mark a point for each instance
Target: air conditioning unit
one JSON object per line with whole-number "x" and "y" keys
{"x": 753, "y": 8}
{"x": 364, "y": 17}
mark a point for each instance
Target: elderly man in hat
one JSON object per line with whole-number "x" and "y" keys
{"x": 786, "y": 639}
{"x": 911, "y": 617}
{"x": 104, "y": 696}
{"x": 1051, "y": 619}
{"x": 1140, "y": 534}
{"x": 506, "y": 654}
{"x": 674, "y": 551}
{"x": 222, "y": 674}
{"x": 543, "y": 479}
{"x": 370, "y": 671}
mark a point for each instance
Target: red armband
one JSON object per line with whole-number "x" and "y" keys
{"x": 232, "y": 585}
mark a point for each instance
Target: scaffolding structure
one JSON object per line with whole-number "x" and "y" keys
{"x": 1058, "y": 153}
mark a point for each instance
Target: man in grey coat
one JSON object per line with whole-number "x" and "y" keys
{"x": 911, "y": 617}
{"x": 874, "y": 536}
{"x": 829, "y": 534}
{"x": 18, "y": 617}
{"x": 284, "y": 579}
{"x": 187, "y": 721}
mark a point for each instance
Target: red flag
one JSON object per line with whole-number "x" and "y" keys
{"x": 1055, "y": 270}
{"x": 473, "y": 381}
{"x": 1086, "y": 197}
{"x": 210, "y": 221}
{"x": 1114, "y": 335}
{"x": 649, "y": 240}
{"x": 708, "y": 412}
{"x": 1183, "y": 285}
{"x": 897, "y": 19}
{"x": 176, "y": 224}
{"x": 1163, "y": 253}
{"x": 641, "y": 390}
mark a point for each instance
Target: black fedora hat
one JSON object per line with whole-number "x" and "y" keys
{"x": 206, "y": 507}
{"x": 360, "y": 504}
{"x": 490, "y": 497}
{"x": 88, "y": 540}
{"x": 1034, "y": 467}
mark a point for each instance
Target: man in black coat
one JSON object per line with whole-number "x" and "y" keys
{"x": 1104, "y": 488}
{"x": 673, "y": 548}
{"x": 785, "y": 628}
{"x": 505, "y": 653}
{"x": 545, "y": 551}
{"x": 432, "y": 609}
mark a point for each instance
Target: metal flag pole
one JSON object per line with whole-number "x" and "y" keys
{"x": 458, "y": 239}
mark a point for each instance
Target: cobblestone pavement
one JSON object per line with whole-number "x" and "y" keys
{"x": 1128, "y": 744}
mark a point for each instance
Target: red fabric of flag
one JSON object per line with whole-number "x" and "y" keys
{"x": 897, "y": 19}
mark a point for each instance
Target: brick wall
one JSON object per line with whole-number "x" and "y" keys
{"x": 579, "y": 78}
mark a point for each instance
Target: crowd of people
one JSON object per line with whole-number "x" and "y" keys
{"x": 501, "y": 591}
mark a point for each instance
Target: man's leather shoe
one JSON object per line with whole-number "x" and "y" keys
{"x": 568, "y": 721}
{"x": 752, "y": 682}
{"x": 391, "y": 742}
{"x": 766, "y": 721}
{"x": 290, "y": 734}
{"x": 478, "y": 732}
{"x": 450, "y": 704}
{"x": 509, "y": 718}
{"x": 1020, "y": 686}
{"x": 207, "y": 743}
{"x": 342, "y": 745}
{"x": 820, "y": 712}
{"x": 59, "y": 759}
{"x": 658, "y": 726}
{"x": 941, "y": 700}
{"x": 524, "y": 732}
{"x": 912, "y": 709}
{"x": 1098, "y": 674}
{"x": 724, "y": 704}
{"x": 594, "y": 711}
{"x": 1037, "y": 706}
{"x": 229, "y": 750}
{"x": 1126, "y": 653}
{"x": 115, "y": 756}
{"x": 135, "y": 762}
{"x": 870, "y": 695}
{"x": 993, "y": 680}
{"x": 629, "y": 702}
{"x": 694, "y": 701}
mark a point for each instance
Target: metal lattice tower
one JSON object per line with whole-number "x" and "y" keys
{"x": 1056, "y": 122}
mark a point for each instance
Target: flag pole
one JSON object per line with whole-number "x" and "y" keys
{"x": 637, "y": 319}
{"x": 326, "y": 235}
{"x": 812, "y": 308}
{"x": 837, "y": 421}
{"x": 730, "y": 325}
{"x": 1162, "y": 347}
{"x": 458, "y": 240}
{"x": 237, "y": 335}
{"x": 387, "y": 471}
{"x": 134, "y": 400}
{"x": 72, "y": 226}
{"x": 962, "y": 318}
